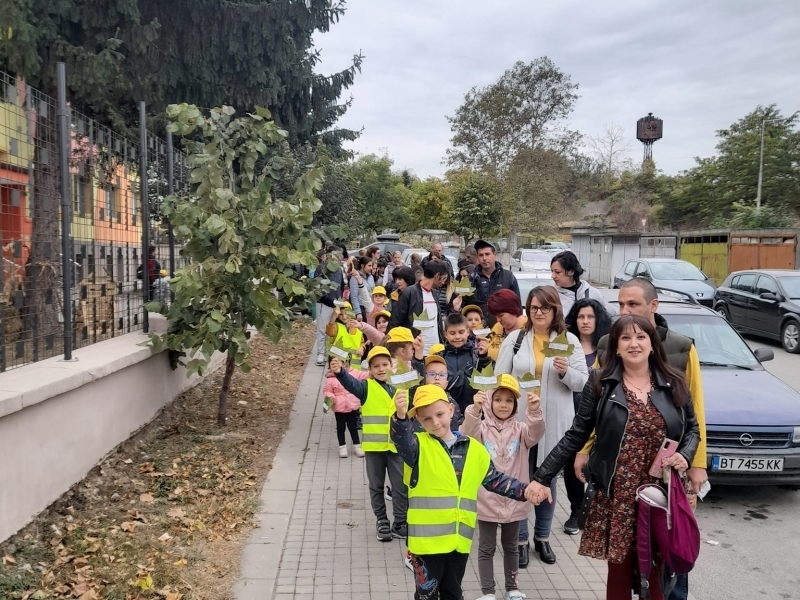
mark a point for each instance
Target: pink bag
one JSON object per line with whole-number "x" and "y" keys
{"x": 666, "y": 523}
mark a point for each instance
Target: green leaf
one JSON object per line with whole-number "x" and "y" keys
{"x": 404, "y": 377}
{"x": 463, "y": 287}
{"x": 529, "y": 382}
{"x": 423, "y": 321}
{"x": 558, "y": 346}
{"x": 484, "y": 379}
{"x": 215, "y": 225}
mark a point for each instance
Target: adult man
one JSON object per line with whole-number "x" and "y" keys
{"x": 639, "y": 297}
{"x": 471, "y": 257}
{"x": 437, "y": 252}
{"x": 488, "y": 277}
{"x": 419, "y": 299}
{"x": 325, "y": 306}
{"x": 365, "y": 267}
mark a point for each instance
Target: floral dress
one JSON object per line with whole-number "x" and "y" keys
{"x": 610, "y": 531}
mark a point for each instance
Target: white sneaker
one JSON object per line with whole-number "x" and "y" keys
{"x": 358, "y": 451}
{"x": 514, "y": 595}
{"x": 388, "y": 494}
{"x": 407, "y": 561}
{"x": 320, "y": 360}
{"x": 487, "y": 597}
{"x": 343, "y": 451}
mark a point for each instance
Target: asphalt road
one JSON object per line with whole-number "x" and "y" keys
{"x": 757, "y": 528}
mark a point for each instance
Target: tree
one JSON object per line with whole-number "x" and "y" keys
{"x": 380, "y": 193}
{"x": 473, "y": 205}
{"x": 611, "y": 148}
{"x": 430, "y": 204}
{"x": 242, "y": 237}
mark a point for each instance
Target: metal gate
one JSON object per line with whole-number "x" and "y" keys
{"x": 709, "y": 253}
{"x": 600, "y": 260}
{"x": 772, "y": 251}
{"x": 653, "y": 246}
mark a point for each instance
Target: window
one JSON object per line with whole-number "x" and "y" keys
{"x": 735, "y": 282}
{"x": 81, "y": 197}
{"x": 111, "y": 202}
{"x": 642, "y": 270}
{"x": 746, "y": 283}
{"x": 766, "y": 285}
{"x": 517, "y": 254}
{"x": 630, "y": 268}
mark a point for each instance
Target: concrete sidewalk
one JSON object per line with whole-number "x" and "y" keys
{"x": 317, "y": 535}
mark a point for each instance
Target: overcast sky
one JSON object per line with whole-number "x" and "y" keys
{"x": 699, "y": 66}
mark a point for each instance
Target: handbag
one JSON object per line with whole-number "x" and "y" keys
{"x": 666, "y": 523}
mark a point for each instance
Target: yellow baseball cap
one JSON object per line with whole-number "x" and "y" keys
{"x": 436, "y": 348}
{"x": 435, "y": 358}
{"x": 400, "y": 334}
{"x": 425, "y": 396}
{"x": 383, "y": 313}
{"x": 380, "y": 351}
{"x": 508, "y": 382}
{"x": 379, "y": 289}
{"x": 163, "y": 272}
{"x": 470, "y": 308}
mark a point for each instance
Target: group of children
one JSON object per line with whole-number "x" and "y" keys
{"x": 456, "y": 459}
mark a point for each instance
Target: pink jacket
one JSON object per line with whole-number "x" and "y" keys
{"x": 508, "y": 443}
{"x": 343, "y": 401}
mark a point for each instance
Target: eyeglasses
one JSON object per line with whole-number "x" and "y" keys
{"x": 436, "y": 375}
{"x": 541, "y": 309}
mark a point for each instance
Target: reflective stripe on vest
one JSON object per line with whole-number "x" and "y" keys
{"x": 376, "y": 415}
{"x": 442, "y": 514}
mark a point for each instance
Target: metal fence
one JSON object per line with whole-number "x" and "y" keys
{"x": 82, "y": 237}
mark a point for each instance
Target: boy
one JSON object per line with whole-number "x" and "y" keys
{"x": 341, "y": 336}
{"x": 461, "y": 356}
{"x": 436, "y": 374}
{"x": 442, "y": 510}
{"x": 474, "y": 316}
{"x": 378, "y": 403}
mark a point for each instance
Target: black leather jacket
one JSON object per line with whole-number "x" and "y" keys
{"x": 607, "y": 413}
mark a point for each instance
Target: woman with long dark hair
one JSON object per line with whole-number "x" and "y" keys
{"x": 588, "y": 321}
{"x": 566, "y": 271}
{"x": 635, "y": 403}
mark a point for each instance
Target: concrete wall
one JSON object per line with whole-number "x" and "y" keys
{"x": 58, "y": 419}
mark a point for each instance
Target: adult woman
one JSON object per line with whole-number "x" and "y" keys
{"x": 505, "y": 307}
{"x": 361, "y": 286}
{"x": 559, "y": 377}
{"x": 403, "y": 278}
{"x": 416, "y": 265}
{"x": 588, "y": 321}
{"x": 397, "y": 261}
{"x": 633, "y": 404}
{"x": 566, "y": 271}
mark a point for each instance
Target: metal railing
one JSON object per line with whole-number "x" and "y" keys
{"x": 81, "y": 231}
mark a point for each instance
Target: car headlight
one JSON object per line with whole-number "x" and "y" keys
{"x": 796, "y": 436}
{"x": 671, "y": 294}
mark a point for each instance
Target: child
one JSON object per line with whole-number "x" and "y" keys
{"x": 379, "y": 302}
{"x": 436, "y": 374}
{"x": 508, "y": 442}
{"x": 374, "y": 334}
{"x": 474, "y": 316}
{"x": 461, "y": 357}
{"x": 162, "y": 288}
{"x": 345, "y": 408}
{"x": 378, "y": 402}
{"x": 443, "y": 470}
{"x": 346, "y": 338}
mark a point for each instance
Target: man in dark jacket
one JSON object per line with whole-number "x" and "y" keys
{"x": 488, "y": 277}
{"x": 325, "y": 305}
{"x": 419, "y": 299}
{"x": 437, "y": 253}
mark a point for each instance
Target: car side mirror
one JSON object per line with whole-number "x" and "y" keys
{"x": 768, "y": 296}
{"x": 764, "y": 354}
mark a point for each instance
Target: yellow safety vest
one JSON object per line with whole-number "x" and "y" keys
{"x": 376, "y": 415}
{"x": 346, "y": 341}
{"x": 441, "y": 513}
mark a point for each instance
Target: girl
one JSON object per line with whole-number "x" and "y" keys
{"x": 566, "y": 272}
{"x": 588, "y": 321}
{"x": 559, "y": 377}
{"x": 379, "y": 302}
{"x": 508, "y": 442}
{"x": 374, "y": 334}
{"x": 634, "y": 403}
{"x": 346, "y": 338}
{"x": 345, "y": 408}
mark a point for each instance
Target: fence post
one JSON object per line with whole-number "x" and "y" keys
{"x": 145, "y": 215}
{"x": 170, "y": 191}
{"x": 66, "y": 205}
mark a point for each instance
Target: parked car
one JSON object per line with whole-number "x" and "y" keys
{"x": 763, "y": 302}
{"x": 528, "y": 281}
{"x": 407, "y": 252}
{"x": 670, "y": 273}
{"x": 387, "y": 242}
{"x": 560, "y": 246}
{"x": 752, "y": 417}
{"x": 531, "y": 261}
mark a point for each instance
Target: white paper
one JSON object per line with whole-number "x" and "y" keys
{"x": 424, "y": 324}
{"x": 403, "y": 378}
{"x": 559, "y": 347}
{"x": 482, "y": 332}
{"x": 340, "y": 303}
{"x": 482, "y": 380}
{"x": 339, "y": 353}
{"x": 526, "y": 385}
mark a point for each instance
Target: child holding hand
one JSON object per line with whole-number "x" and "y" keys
{"x": 345, "y": 408}
{"x": 507, "y": 441}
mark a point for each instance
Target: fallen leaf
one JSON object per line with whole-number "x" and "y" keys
{"x": 165, "y": 538}
{"x": 8, "y": 560}
{"x": 203, "y": 492}
{"x": 147, "y": 467}
{"x": 80, "y": 561}
{"x": 176, "y": 513}
{"x": 145, "y": 583}
{"x": 174, "y": 596}
{"x": 80, "y": 588}
{"x": 128, "y": 526}
{"x": 180, "y": 563}
{"x": 147, "y": 498}
{"x": 127, "y": 461}
{"x": 90, "y": 595}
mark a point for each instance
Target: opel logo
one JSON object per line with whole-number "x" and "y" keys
{"x": 746, "y": 439}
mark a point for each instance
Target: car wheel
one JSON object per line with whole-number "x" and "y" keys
{"x": 790, "y": 337}
{"x": 724, "y": 312}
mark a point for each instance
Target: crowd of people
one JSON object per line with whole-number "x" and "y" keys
{"x": 570, "y": 392}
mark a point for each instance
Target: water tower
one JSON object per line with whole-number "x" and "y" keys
{"x": 649, "y": 130}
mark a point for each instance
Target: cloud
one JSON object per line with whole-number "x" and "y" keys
{"x": 698, "y": 66}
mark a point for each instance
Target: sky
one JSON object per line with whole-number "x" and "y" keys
{"x": 699, "y": 66}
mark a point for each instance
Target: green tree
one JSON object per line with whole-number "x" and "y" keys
{"x": 430, "y": 204}
{"x": 380, "y": 193}
{"x": 242, "y": 238}
{"x": 473, "y": 205}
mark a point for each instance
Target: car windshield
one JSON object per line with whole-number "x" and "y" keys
{"x": 791, "y": 285}
{"x": 714, "y": 338}
{"x": 526, "y": 285}
{"x": 536, "y": 257}
{"x": 676, "y": 270}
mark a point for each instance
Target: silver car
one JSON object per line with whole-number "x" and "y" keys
{"x": 528, "y": 281}
{"x": 672, "y": 274}
{"x": 531, "y": 261}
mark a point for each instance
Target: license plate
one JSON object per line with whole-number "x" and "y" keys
{"x": 744, "y": 463}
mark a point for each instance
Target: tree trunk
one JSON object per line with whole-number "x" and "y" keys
{"x": 222, "y": 413}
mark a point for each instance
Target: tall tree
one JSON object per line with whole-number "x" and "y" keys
{"x": 610, "y": 148}
{"x": 473, "y": 205}
{"x": 380, "y": 193}
{"x": 430, "y": 204}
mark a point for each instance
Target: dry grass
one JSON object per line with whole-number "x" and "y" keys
{"x": 167, "y": 514}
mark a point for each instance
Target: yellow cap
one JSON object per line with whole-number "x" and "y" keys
{"x": 383, "y": 313}
{"x": 471, "y": 308}
{"x": 377, "y": 351}
{"x": 508, "y": 382}
{"x": 435, "y": 358}
{"x": 436, "y": 348}
{"x": 379, "y": 289}
{"x": 425, "y": 396}
{"x": 400, "y": 334}
{"x": 163, "y": 272}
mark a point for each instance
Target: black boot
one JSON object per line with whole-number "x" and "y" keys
{"x": 545, "y": 552}
{"x": 523, "y": 555}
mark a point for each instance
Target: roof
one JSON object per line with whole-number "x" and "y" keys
{"x": 661, "y": 260}
{"x": 431, "y": 232}
{"x": 773, "y": 272}
{"x": 667, "y": 305}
